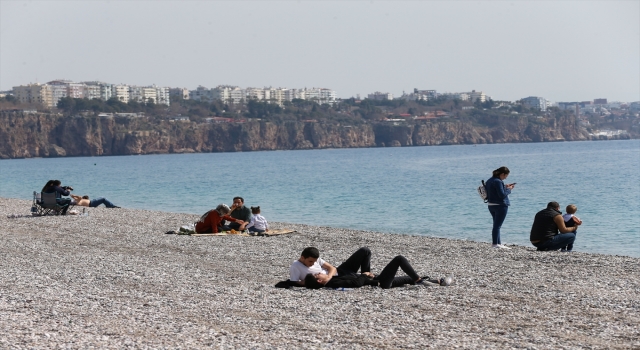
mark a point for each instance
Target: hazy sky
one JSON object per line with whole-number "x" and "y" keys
{"x": 560, "y": 50}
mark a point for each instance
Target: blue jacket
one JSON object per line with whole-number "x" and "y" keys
{"x": 59, "y": 191}
{"x": 497, "y": 193}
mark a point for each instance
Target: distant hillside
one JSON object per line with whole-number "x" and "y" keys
{"x": 25, "y": 135}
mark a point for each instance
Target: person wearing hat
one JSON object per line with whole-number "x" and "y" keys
{"x": 212, "y": 221}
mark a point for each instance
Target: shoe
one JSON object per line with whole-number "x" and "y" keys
{"x": 428, "y": 283}
{"x": 499, "y": 246}
{"x": 446, "y": 281}
{"x": 115, "y": 206}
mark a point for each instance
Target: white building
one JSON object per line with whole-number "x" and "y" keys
{"x": 163, "y": 95}
{"x": 477, "y": 95}
{"x": 462, "y": 96}
{"x": 535, "y": 102}
{"x": 121, "y": 92}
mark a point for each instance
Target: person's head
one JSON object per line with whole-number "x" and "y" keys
{"x": 311, "y": 282}
{"x": 85, "y": 197}
{"x": 553, "y": 205}
{"x": 238, "y": 201}
{"x": 47, "y": 185}
{"x": 255, "y": 210}
{"x": 56, "y": 183}
{"x": 223, "y": 209}
{"x": 572, "y": 209}
{"x": 502, "y": 172}
{"x": 309, "y": 256}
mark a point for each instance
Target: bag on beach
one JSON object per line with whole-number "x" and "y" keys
{"x": 482, "y": 192}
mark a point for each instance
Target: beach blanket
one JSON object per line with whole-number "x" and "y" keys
{"x": 283, "y": 231}
{"x": 191, "y": 231}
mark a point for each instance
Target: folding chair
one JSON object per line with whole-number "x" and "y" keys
{"x": 46, "y": 204}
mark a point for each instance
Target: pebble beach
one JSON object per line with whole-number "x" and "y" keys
{"x": 114, "y": 279}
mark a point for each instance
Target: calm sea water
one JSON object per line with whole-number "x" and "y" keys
{"x": 416, "y": 190}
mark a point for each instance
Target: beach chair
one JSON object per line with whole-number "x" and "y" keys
{"x": 46, "y": 204}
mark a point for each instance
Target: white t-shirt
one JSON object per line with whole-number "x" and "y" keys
{"x": 298, "y": 271}
{"x": 258, "y": 221}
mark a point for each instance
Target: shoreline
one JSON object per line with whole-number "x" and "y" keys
{"x": 115, "y": 279}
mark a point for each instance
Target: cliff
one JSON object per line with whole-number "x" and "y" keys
{"x": 49, "y": 135}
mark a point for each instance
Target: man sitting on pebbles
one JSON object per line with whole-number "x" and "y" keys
{"x": 313, "y": 272}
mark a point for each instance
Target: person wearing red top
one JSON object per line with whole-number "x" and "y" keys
{"x": 213, "y": 220}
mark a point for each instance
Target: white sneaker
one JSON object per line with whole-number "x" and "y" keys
{"x": 499, "y": 246}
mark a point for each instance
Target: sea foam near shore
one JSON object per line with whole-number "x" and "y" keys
{"x": 114, "y": 279}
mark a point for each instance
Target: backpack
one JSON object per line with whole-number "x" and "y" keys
{"x": 482, "y": 192}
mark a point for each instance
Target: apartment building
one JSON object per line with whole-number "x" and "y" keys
{"x": 34, "y": 93}
{"x": 183, "y": 93}
{"x": 462, "y": 96}
{"x": 477, "y": 96}
{"x": 535, "y": 102}
{"x": 121, "y": 92}
{"x": 380, "y": 96}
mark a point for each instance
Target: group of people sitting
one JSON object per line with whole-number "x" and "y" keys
{"x": 239, "y": 217}
{"x": 55, "y": 186}
{"x": 313, "y": 272}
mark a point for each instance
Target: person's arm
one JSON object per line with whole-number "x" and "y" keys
{"x": 331, "y": 271}
{"x": 561, "y": 227}
{"x": 294, "y": 275}
{"x": 76, "y": 198}
{"x": 577, "y": 220}
{"x": 62, "y": 191}
{"x": 252, "y": 222}
{"x": 229, "y": 218}
{"x": 503, "y": 190}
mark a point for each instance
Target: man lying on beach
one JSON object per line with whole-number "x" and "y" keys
{"x": 313, "y": 272}
{"x": 84, "y": 201}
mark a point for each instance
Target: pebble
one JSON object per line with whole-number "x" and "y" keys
{"x": 114, "y": 279}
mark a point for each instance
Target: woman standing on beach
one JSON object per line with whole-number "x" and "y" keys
{"x": 498, "y": 202}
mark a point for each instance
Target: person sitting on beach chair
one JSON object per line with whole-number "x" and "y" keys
{"x": 313, "y": 272}
{"x": 54, "y": 186}
{"x": 212, "y": 221}
{"x": 84, "y": 201}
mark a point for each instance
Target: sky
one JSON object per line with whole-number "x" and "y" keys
{"x": 559, "y": 50}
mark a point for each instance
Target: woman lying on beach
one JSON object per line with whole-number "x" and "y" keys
{"x": 213, "y": 220}
{"x": 386, "y": 279}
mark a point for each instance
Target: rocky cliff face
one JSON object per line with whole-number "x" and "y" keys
{"x": 46, "y": 135}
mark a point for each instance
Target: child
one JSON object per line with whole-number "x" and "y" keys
{"x": 571, "y": 220}
{"x": 258, "y": 223}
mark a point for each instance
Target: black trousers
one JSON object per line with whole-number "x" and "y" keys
{"x": 360, "y": 260}
{"x": 388, "y": 277}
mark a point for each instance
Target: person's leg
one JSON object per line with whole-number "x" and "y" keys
{"x": 387, "y": 275}
{"x": 234, "y": 226}
{"x": 361, "y": 260}
{"x": 96, "y": 202}
{"x": 570, "y": 245}
{"x": 499, "y": 213}
{"x": 558, "y": 241}
{"x": 64, "y": 203}
{"x": 253, "y": 229}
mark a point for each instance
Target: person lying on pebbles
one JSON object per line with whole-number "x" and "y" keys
{"x": 313, "y": 272}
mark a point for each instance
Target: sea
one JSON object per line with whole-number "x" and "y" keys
{"x": 428, "y": 190}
